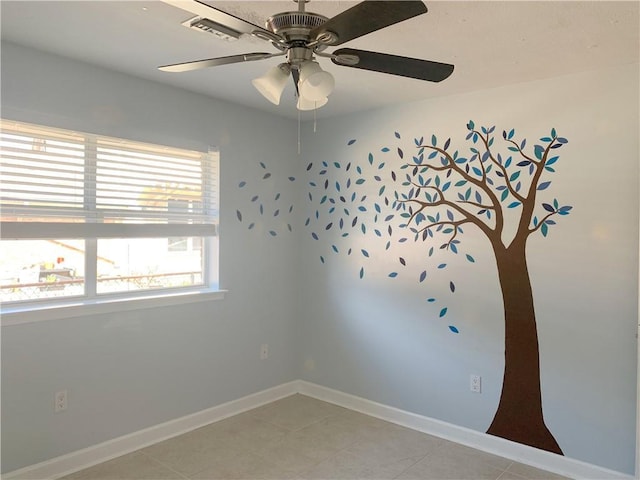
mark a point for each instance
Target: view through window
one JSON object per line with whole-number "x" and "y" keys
{"x": 84, "y": 216}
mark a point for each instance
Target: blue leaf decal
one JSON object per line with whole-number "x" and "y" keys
{"x": 397, "y": 135}
{"x": 384, "y": 149}
{"x": 266, "y": 175}
{"x": 548, "y": 207}
{"x": 263, "y": 165}
{"x": 393, "y": 274}
{"x": 272, "y": 233}
{"x": 292, "y": 179}
{"x": 452, "y": 287}
{"x": 335, "y": 249}
{"x": 362, "y": 272}
{"x": 239, "y": 215}
{"x": 513, "y": 204}
{"x": 470, "y": 258}
{"x": 543, "y": 185}
{"x": 453, "y": 329}
{"x": 431, "y": 300}
{"x": 442, "y": 265}
{"x": 242, "y": 184}
{"x": 314, "y": 235}
{"x": 351, "y": 142}
{"x": 423, "y": 275}
{"x": 321, "y": 258}
{"x": 365, "y": 253}
{"x": 443, "y": 312}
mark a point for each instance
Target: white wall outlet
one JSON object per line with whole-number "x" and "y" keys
{"x": 60, "y": 401}
{"x": 475, "y": 383}
{"x": 264, "y": 351}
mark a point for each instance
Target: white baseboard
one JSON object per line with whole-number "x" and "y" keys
{"x": 87, "y": 457}
{"x": 74, "y": 461}
{"x": 534, "y": 457}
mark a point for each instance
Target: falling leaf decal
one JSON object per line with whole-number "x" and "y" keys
{"x": 272, "y": 233}
{"x": 365, "y": 253}
{"x": 266, "y": 175}
{"x": 423, "y": 275}
{"x": 443, "y": 312}
{"x": 393, "y": 274}
{"x": 470, "y": 258}
{"x": 251, "y": 225}
{"x": 431, "y": 300}
{"x": 362, "y": 272}
{"x": 452, "y": 287}
{"x": 242, "y": 184}
{"x": 453, "y": 329}
{"x": 239, "y": 215}
{"x": 351, "y": 142}
{"x": 292, "y": 179}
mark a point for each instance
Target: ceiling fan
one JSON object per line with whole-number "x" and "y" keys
{"x": 302, "y": 36}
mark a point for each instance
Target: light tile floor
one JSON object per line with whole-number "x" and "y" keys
{"x": 299, "y": 437}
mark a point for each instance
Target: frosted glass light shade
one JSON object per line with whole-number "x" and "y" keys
{"x": 271, "y": 84}
{"x": 315, "y": 83}
{"x": 306, "y": 104}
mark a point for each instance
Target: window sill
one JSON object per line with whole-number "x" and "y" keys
{"x": 20, "y": 315}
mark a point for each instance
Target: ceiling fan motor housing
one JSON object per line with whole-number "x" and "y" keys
{"x": 294, "y": 26}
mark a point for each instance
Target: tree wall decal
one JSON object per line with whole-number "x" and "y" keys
{"x": 439, "y": 194}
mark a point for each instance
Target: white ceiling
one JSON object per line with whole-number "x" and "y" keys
{"x": 490, "y": 43}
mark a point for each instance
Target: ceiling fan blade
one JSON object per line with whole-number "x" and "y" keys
{"x": 203, "y": 9}
{"x": 395, "y": 65}
{"x": 214, "y": 62}
{"x": 367, "y": 17}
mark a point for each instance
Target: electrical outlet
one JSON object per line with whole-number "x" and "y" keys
{"x": 475, "y": 384}
{"x": 264, "y": 351}
{"x": 60, "y": 401}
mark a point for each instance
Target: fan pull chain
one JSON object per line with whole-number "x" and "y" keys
{"x": 298, "y": 132}
{"x": 314, "y": 117}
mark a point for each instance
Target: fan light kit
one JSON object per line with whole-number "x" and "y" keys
{"x": 302, "y": 37}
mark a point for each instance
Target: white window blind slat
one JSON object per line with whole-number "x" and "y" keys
{"x": 49, "y": 173}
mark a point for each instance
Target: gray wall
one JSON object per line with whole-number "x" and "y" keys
{"x": 135, "y": 369}
{"x": 379, "y": 338}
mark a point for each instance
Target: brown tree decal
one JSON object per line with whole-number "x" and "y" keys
{"x": 439, "y": 193}
{"x": 490, "y": 183}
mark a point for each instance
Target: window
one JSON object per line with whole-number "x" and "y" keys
{"x": 90, "y": 217}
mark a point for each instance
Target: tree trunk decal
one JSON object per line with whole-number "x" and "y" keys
{"x": 434, "y": 198}
{"x": 519, "y": 415}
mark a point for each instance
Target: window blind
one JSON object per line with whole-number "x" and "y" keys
{"x": 54, "y": 176}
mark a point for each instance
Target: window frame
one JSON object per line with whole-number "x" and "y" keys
{"x": 91, "y": 231}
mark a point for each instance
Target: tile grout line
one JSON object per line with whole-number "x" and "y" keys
{"x": 155, "y": 460}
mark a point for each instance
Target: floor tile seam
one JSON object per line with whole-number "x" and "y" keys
{"x": 485, "y": 462}
{"x": 292, "y": 430}
{"x": 410, "y": 466}
{"x": 295, "y": 471}
{"x": 164, "y": 465}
